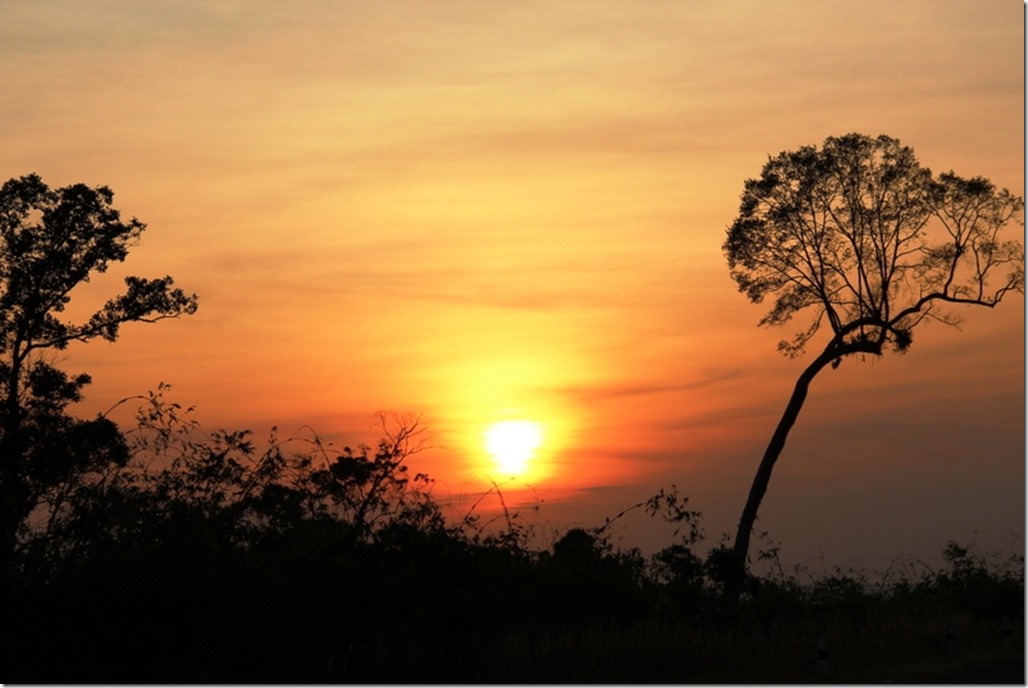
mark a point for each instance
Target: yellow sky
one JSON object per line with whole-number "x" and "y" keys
{"x": 482, "y": 211}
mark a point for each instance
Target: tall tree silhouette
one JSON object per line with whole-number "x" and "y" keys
{"x": 52, "y": 240}
{"x": 865, "y": 241}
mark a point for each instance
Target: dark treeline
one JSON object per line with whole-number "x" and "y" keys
{"x": 184, "y": 556}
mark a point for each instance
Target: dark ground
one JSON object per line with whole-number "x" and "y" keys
{"x": 1009, "y": 672}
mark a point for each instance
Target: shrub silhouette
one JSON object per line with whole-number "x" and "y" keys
{"x": 51, "y": 241}
{"x": 201, "y": 558}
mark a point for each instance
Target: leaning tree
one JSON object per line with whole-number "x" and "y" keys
{"x": 51, "y": 241}
{"x": 867, "y": 244}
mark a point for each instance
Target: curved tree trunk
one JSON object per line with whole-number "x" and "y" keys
{"x": 763, "y": 476}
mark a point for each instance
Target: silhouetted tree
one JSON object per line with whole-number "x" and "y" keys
{"x": 866, "y": 241}
{"x": 52, "y": 240}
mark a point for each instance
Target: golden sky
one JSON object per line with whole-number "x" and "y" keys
{"x": 486, "y": 211}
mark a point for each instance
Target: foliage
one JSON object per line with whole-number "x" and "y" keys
{"x": 179, "y": 479}
{"x": 870, "y": 242}
{"x": 51, "y": 241}
{"x": 860, "y": 236}
{"x": 201, "y": 558}
{"x": 204, "y": 559}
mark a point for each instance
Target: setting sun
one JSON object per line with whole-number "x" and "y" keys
{"x": 512, "y": 444}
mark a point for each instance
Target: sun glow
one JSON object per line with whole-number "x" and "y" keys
{"x": 512, "y": 444}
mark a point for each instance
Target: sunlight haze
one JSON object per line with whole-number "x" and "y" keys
{"x": 513, "y": 444}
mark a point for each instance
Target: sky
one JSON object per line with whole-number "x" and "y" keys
{"x": 477, "y": 212}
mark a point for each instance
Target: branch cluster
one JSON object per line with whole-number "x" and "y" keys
{"x": 51, "y": 241}
{"x": 867, "y": 240}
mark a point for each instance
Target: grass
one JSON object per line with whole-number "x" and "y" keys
{"x": 886, "y": 649}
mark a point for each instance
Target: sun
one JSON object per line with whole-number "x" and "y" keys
{"x": 513, "y": 443}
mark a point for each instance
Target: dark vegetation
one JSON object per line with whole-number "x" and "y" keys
{"x": 868, "y": 244}
{"x": 159, "y": 552}
{"x": 198, "y": 558}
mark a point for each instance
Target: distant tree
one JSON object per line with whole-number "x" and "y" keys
{"x": 865, "y": 241}
{"x": 52, "y": 240}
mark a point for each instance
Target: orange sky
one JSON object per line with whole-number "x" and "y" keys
{"x": 478, "y": 211}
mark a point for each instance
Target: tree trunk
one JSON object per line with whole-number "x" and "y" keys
{"x": 14, "y": 502}
{"x": 763, "y": 477}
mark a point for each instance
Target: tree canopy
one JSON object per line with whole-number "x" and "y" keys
{"x": 51, "y": 241}
{"x": 860, "y": 236}
{"x": 865, "y": 239}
